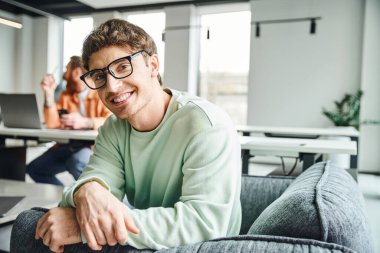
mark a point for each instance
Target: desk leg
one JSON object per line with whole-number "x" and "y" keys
{"x": 245, "y": 156}
{"x": 319, "y": 158}
{"x": 354, "y": 158}
{"x": 245, "y": 160}
{"x": 12, "y": 163}
{"x": 308, "y": 160}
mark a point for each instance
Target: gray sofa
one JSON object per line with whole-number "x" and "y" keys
{"x": 322, "y": 210}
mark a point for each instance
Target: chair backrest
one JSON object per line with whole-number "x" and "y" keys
{"x": 258, "y": 192}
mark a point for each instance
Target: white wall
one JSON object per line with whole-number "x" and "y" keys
{"x": 28, "y": 53}
{"x": 40, "y": 56}
{"x": 47, "y": 48}
{"x": 181, "y": 48}
{"x": 369, "y": 159}
{"x": 17, "y": 55}
{"x": 7, "y": 53}
{"x": 24, "y": 56}
{"x": 102, "y": 17}
{"x": 293, "y": 73}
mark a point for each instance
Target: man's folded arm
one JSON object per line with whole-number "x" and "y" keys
{"x": 105, "y": 167}
{"x": 209, "y": 206}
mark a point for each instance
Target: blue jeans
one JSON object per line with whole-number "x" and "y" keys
{"x": 24, "y": 229}
{"x": 59, "y": 158}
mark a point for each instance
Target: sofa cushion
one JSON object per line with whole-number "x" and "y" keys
{"x": 26, "y": 222}
{"x": 259, "y": 244}
{"x": 324, "y": 203}
{"x": 257, "y": 193}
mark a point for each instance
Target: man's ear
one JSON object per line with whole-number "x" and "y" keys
{"x": 155, "y": 64}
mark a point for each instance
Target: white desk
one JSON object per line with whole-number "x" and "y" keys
{"x": 58, "y": 135}
{"x": 305, "y": 149}
{"x": 299, "y": 131}
{"x": 305, "y": 132}
{"x": 15, "y": 166}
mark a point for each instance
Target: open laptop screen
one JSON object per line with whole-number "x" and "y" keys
{"x": 20, "y": 111}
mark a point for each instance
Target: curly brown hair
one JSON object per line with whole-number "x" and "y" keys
{"x": 121, "y": 33}
{"x": 76, "y": 62}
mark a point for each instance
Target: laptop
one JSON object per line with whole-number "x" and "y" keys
{"x": 20, "y": 111}
{"x": 7, "y": 203}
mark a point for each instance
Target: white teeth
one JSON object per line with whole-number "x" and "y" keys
{"x": 122, "y": 98}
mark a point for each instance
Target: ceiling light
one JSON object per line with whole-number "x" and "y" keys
{"x": 10, "y": 23}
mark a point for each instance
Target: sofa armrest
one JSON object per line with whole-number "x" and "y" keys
{"x": 259, "y": 243}
{"x": 324, "y": 203}
{"x": 258, "y": 192}
{"x": 270, "y": 244}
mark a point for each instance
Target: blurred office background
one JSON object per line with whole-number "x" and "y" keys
{"x": 271, "y": 62}
{"x": 266, "y": 62}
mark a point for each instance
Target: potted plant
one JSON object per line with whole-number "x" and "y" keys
{"x": 347, "y": 110}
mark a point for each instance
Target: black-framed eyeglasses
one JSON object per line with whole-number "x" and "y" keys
{"x": 119, "y": 69}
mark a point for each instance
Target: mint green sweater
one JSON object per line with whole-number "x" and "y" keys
{"x": 183, "y": 178}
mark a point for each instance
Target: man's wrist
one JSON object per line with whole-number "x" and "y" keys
{"x": 75, "y": 194}
{"x": 77, "y": 190}
{"x": 49, "y": 101}
{"x": 90, "y": 123}
{"x": 80, "y": 187}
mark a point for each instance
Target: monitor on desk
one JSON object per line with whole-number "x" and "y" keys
{"x": 20, "y": 111}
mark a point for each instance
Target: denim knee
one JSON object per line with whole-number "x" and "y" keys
{"x": 31, "y": 168}
{"x": 78, "y": 161}
{"x": 23, "y": 232}
{"x": 23, "y": 241}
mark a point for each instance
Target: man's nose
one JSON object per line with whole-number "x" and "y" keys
{"x": 112, "y": 82}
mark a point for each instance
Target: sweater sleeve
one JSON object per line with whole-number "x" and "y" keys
{"x": 209, "y": 206}
{"x": 105, "y": 166}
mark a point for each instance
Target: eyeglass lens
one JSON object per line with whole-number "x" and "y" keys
{"x": 119, "y": 69}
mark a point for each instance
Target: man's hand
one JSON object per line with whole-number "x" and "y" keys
{"x": 48, "y": 83}
{"x": 75, "y": 121}
{"x": 101, "y": 216}
{"x": 58, "y": 227}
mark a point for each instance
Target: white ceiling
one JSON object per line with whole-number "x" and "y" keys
{"x": 99, "y": 4}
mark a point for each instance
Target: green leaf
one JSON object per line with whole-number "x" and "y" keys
{"x": 346, "y": 111}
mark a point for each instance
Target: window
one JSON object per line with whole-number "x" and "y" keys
{"x": 154, "y": 24}
{"x": 75, "y": 31}
{"x": 224, "y": 61}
